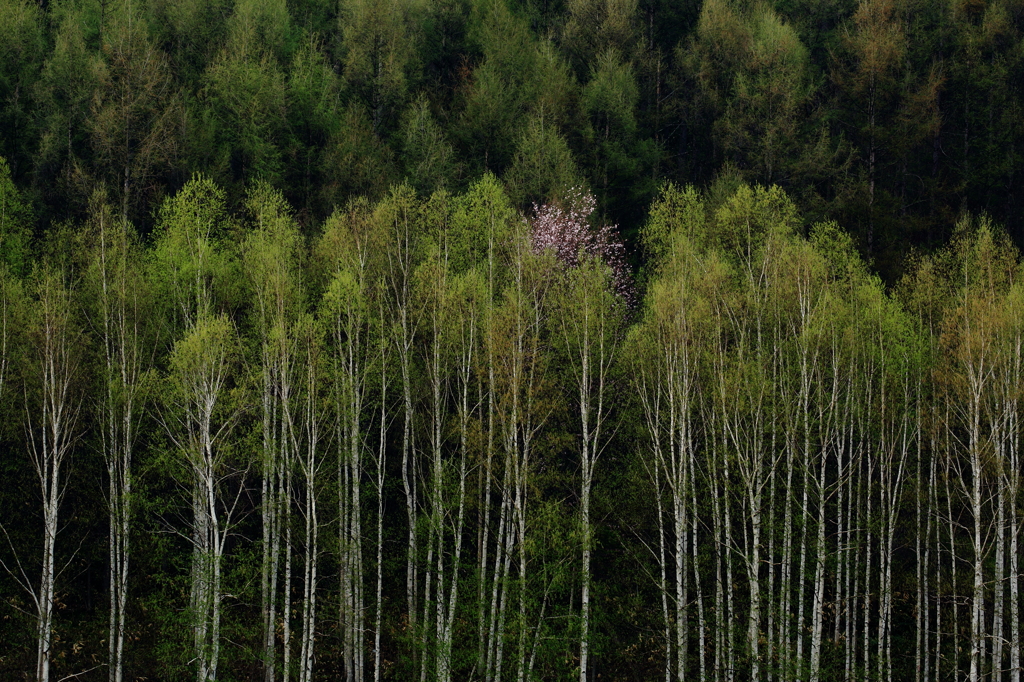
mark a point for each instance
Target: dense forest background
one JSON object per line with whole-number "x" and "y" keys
{"x": 890, "y": 117}
{"x": 491, "y": 340}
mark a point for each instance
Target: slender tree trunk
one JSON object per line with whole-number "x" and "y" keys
{"x": 50, "y": 445}
{"x": 701, "y": 625}
{"x": 920, "y": 553}
{"x": 119, "y": 302}
{"x": 978, "y": 597}
{"x": 310, "y": 466}
{"x": 380, "y": 474}
{"x": 717, "y": 503}
{"x": 269, "y": 498}
{"x": 1014, "y": 430}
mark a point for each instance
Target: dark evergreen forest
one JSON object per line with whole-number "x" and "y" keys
{"x": 511, "y": 340}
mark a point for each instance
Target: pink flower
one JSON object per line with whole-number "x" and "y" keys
{"x": 565, "y": 229}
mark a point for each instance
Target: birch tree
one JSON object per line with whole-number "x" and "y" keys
{"x": 53, "y": 404}
{"x": 450, "y": 303}
{"x": 1009, "y": 396}
{"x": 305, "y": 439}
{"x": 483, "y": 221}
{"x": 398, "y": 215}
{"x": 351, "y": 248}
{"x": 189, "y": 272}
{"x": 189, "y": 268}
{"x": 585, "y": 316}
{"x": 672, "y": 342}
{"x": 589, "y": 317}
{"x": 271, "y": 253}
{"x": 973, "y": 331}
{"x": 431, "y": 297}
{"x": 199, "y": 419}
{"x": 467, "y": 306}
{"x": 118, "y": 291}
{"x": 521, "y": 361}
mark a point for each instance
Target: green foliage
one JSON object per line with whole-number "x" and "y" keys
{"x": 260, "y": 28}
{"x": 272, "y": 257}
{"x": 751, "y": 220}
{"x": 135, "y": 115}
{"x": 755, "y": 80}
{"x": 65, "y": 90}
{"x": 356, "y": 162}
{"x": 247, "y": 96}
{"x": 863, "y": 113}
{"x": 191, "y": 272}
{"x": 592, "y": 25}
{"x": 483, "y": 221}
{"x": 194, "y": 30}
{"x": 428, "y": 158}
{"x": 679, "y": 213}
{"x": 517, "y": 77}
{"x": 543, "y": 166}
{"x": 15, "y": 225}
{"x": 199, "y": 358}
{"x": 22, "y": 50}
{"x": 312, "y": 91}
{"x": 378, "y": 52}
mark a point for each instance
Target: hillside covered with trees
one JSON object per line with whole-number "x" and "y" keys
{"x": 511, "y": 340}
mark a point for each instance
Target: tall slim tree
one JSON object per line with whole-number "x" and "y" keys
{"x": 53, "y": 406}
{"x": 588, "y": 318}
{"x": 199, "y": 417}
{"x": 271, "y": 254}
{"x": 118, "y": 290}
{"x": 351, "y": 248}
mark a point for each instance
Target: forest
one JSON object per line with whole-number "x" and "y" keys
{"x": 511, "y": 340}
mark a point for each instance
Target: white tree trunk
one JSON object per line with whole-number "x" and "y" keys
{"x": 50, "y": 440}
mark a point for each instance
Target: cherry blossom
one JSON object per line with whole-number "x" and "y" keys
{"x": 564, "y": 227}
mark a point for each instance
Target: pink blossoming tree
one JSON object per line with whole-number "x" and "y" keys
{"x": 564, "y": 227}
